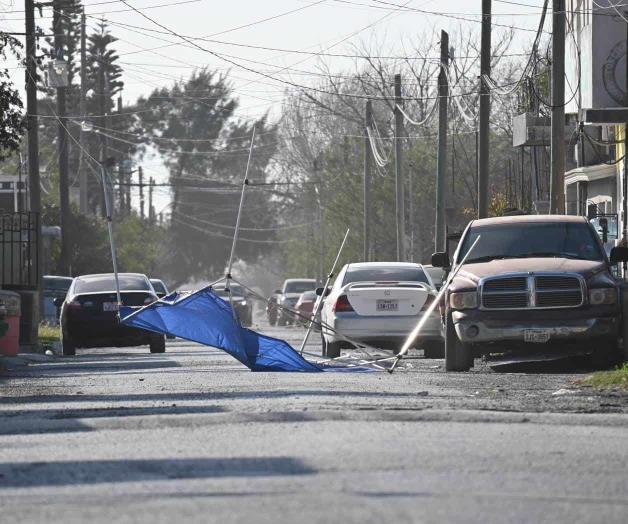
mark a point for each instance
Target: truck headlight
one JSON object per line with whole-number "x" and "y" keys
{"x": 464, "y": 300}
{"x": 603, "y": 296}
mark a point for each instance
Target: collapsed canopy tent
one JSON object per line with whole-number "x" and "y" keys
{"x": 205, "y": 318}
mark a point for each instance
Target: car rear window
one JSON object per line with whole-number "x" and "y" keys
{"x": 236, "y": 291}
{"x": 57, "y": 284}
{"x": 104, "y": 283}
{"x": 299, "y": 286}
{"x": 385, "y": 274}
{"x": 158, "y": 286}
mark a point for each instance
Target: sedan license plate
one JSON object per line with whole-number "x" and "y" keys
{"x": 110, "y": 306}
{"x": 536, "y": 336}
{"x": 387, "y": 305}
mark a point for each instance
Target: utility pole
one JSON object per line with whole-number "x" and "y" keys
{"x": 366, "y": 256}
{"x": 151, "y": 210}
{"x": 83, "y": 204}
{"x": 140, "y": 174}
{"x": 401, "y": 215}
{"x": 557, "y": 172}
{"x": 625, "y": 180}
{"x": 31, "y": 108}
{"x": 62, "y": 145}
{"x": 34, "y": 187}
{"x": 441, "y": 162}
{"x": 485, "y": 110}
{"x": 411, "y": 210}
{"x": 102, "y": 106}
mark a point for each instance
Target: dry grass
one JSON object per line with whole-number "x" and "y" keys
{"x": 48, "y": 334}
{"x": 616, "y": 378}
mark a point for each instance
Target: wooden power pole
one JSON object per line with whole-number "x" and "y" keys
{"x": 443, "y": 100}
{"x": 401, "y": 215}
{"x": 366, "y": 256}
{"x": 557, "y": 171}
{"x": 83, "y": 202}
{"x": 485, "y": 110}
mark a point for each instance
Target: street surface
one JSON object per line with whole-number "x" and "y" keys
{"x": 120, "y": 435}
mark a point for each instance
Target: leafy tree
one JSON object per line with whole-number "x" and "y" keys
{"x": 11, "y": 118}
{"x": 193, "y": 126}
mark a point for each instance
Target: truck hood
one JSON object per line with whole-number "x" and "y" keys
{"x": 470, "y": 274}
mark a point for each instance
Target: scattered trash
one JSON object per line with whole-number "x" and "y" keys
{"x": 49, "y": 352}
{"x": 434, "y": 367}
{"x": 563, "y": 391}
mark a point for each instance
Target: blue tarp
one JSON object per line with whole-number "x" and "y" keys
{"x": 205, "y": 318}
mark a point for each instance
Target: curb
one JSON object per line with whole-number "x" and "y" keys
{"x": 23, "y": 360}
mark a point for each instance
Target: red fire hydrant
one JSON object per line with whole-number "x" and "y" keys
{"x": 10, "y": 304}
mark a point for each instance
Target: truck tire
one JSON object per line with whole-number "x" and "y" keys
{"x": 606, "y": 355}
{"x": 434, "y": 349}
{"x": 281, "y": 321}
{"x": 67, "y": 346}
{"x": 157, "y": 344}
{"x": 332, "y": 349}
{"x": 458, "y": 356}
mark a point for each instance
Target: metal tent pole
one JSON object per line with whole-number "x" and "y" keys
{"x": 245, "y": 183}
{"x": 319, "y": 301}
{"x": 112, "y": 241}
{"x": 433, "y": 306}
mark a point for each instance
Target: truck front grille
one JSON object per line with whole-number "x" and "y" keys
{"x": 528, "y": 291}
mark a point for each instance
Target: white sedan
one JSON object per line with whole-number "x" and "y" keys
{"x": 379, "y": 304}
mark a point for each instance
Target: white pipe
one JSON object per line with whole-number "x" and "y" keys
{"x": 112, "y": 241}
{"x": 321, "y": 298}
{"x": 236, "y": 233}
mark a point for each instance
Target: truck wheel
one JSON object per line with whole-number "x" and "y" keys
{"x": 605, "y": 356}
{"x": 434, "y": 350}
{"x": 157, "y": 344}
{"x": 332, "y": 349}
{"x": 458, "y": 356}
{"x": 272, "y": 319}
{"x": 281, "y": 321}
{"x": 67, "y": 346}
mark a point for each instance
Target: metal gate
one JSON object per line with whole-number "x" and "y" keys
{"x": 18, "y": 251}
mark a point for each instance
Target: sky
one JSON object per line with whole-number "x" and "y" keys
{"x": 153, "y": 55}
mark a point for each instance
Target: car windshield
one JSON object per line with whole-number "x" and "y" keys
{"x": 158, "y": 286}
{"x": 308, "y": 295}
{"x": 385, "y": 274}
{"x": 105, "y": 283}
{"x": 236, "y": 291}
{"x": 299, "y": 286}
{"x": 529, "y": 239}
{"x": 57, "y": 284}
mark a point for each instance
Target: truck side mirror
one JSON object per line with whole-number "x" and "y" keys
{"x": 441, "y": 260}
{"x": 619, "y": 254}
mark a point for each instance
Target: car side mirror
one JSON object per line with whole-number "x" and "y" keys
{"x": 58, "y": 301}
{"x": 320, "y": 291}
{"x": 619, "y": 254}
{"x": 441, "y": 260}
{"x": 277, "y": 292}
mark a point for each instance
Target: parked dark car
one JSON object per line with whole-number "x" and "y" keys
{"x": 54, "y": 287}
{"x": 533, "y": 286}
{"x": 89, "y": 313}
{"x": 161, "y": 290}
{"x": 241, "y": 301}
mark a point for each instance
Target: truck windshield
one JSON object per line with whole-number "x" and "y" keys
{"x": 530, "y": 239}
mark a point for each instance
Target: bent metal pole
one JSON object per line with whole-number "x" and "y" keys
{"x": 236, "y": 233}
{"x": 112, "y": 242}
{"x": 319, "y": 301}
{"x": 430, "y": 310}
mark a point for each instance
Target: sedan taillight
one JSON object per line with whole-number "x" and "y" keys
{"x": 342, "y": 304}
{"x": 74, "y": 304}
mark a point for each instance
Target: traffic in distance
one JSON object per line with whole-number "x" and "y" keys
{"x": 515, "y": 286}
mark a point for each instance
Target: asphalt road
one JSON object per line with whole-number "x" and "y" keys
{"x": 192, "y": 436}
